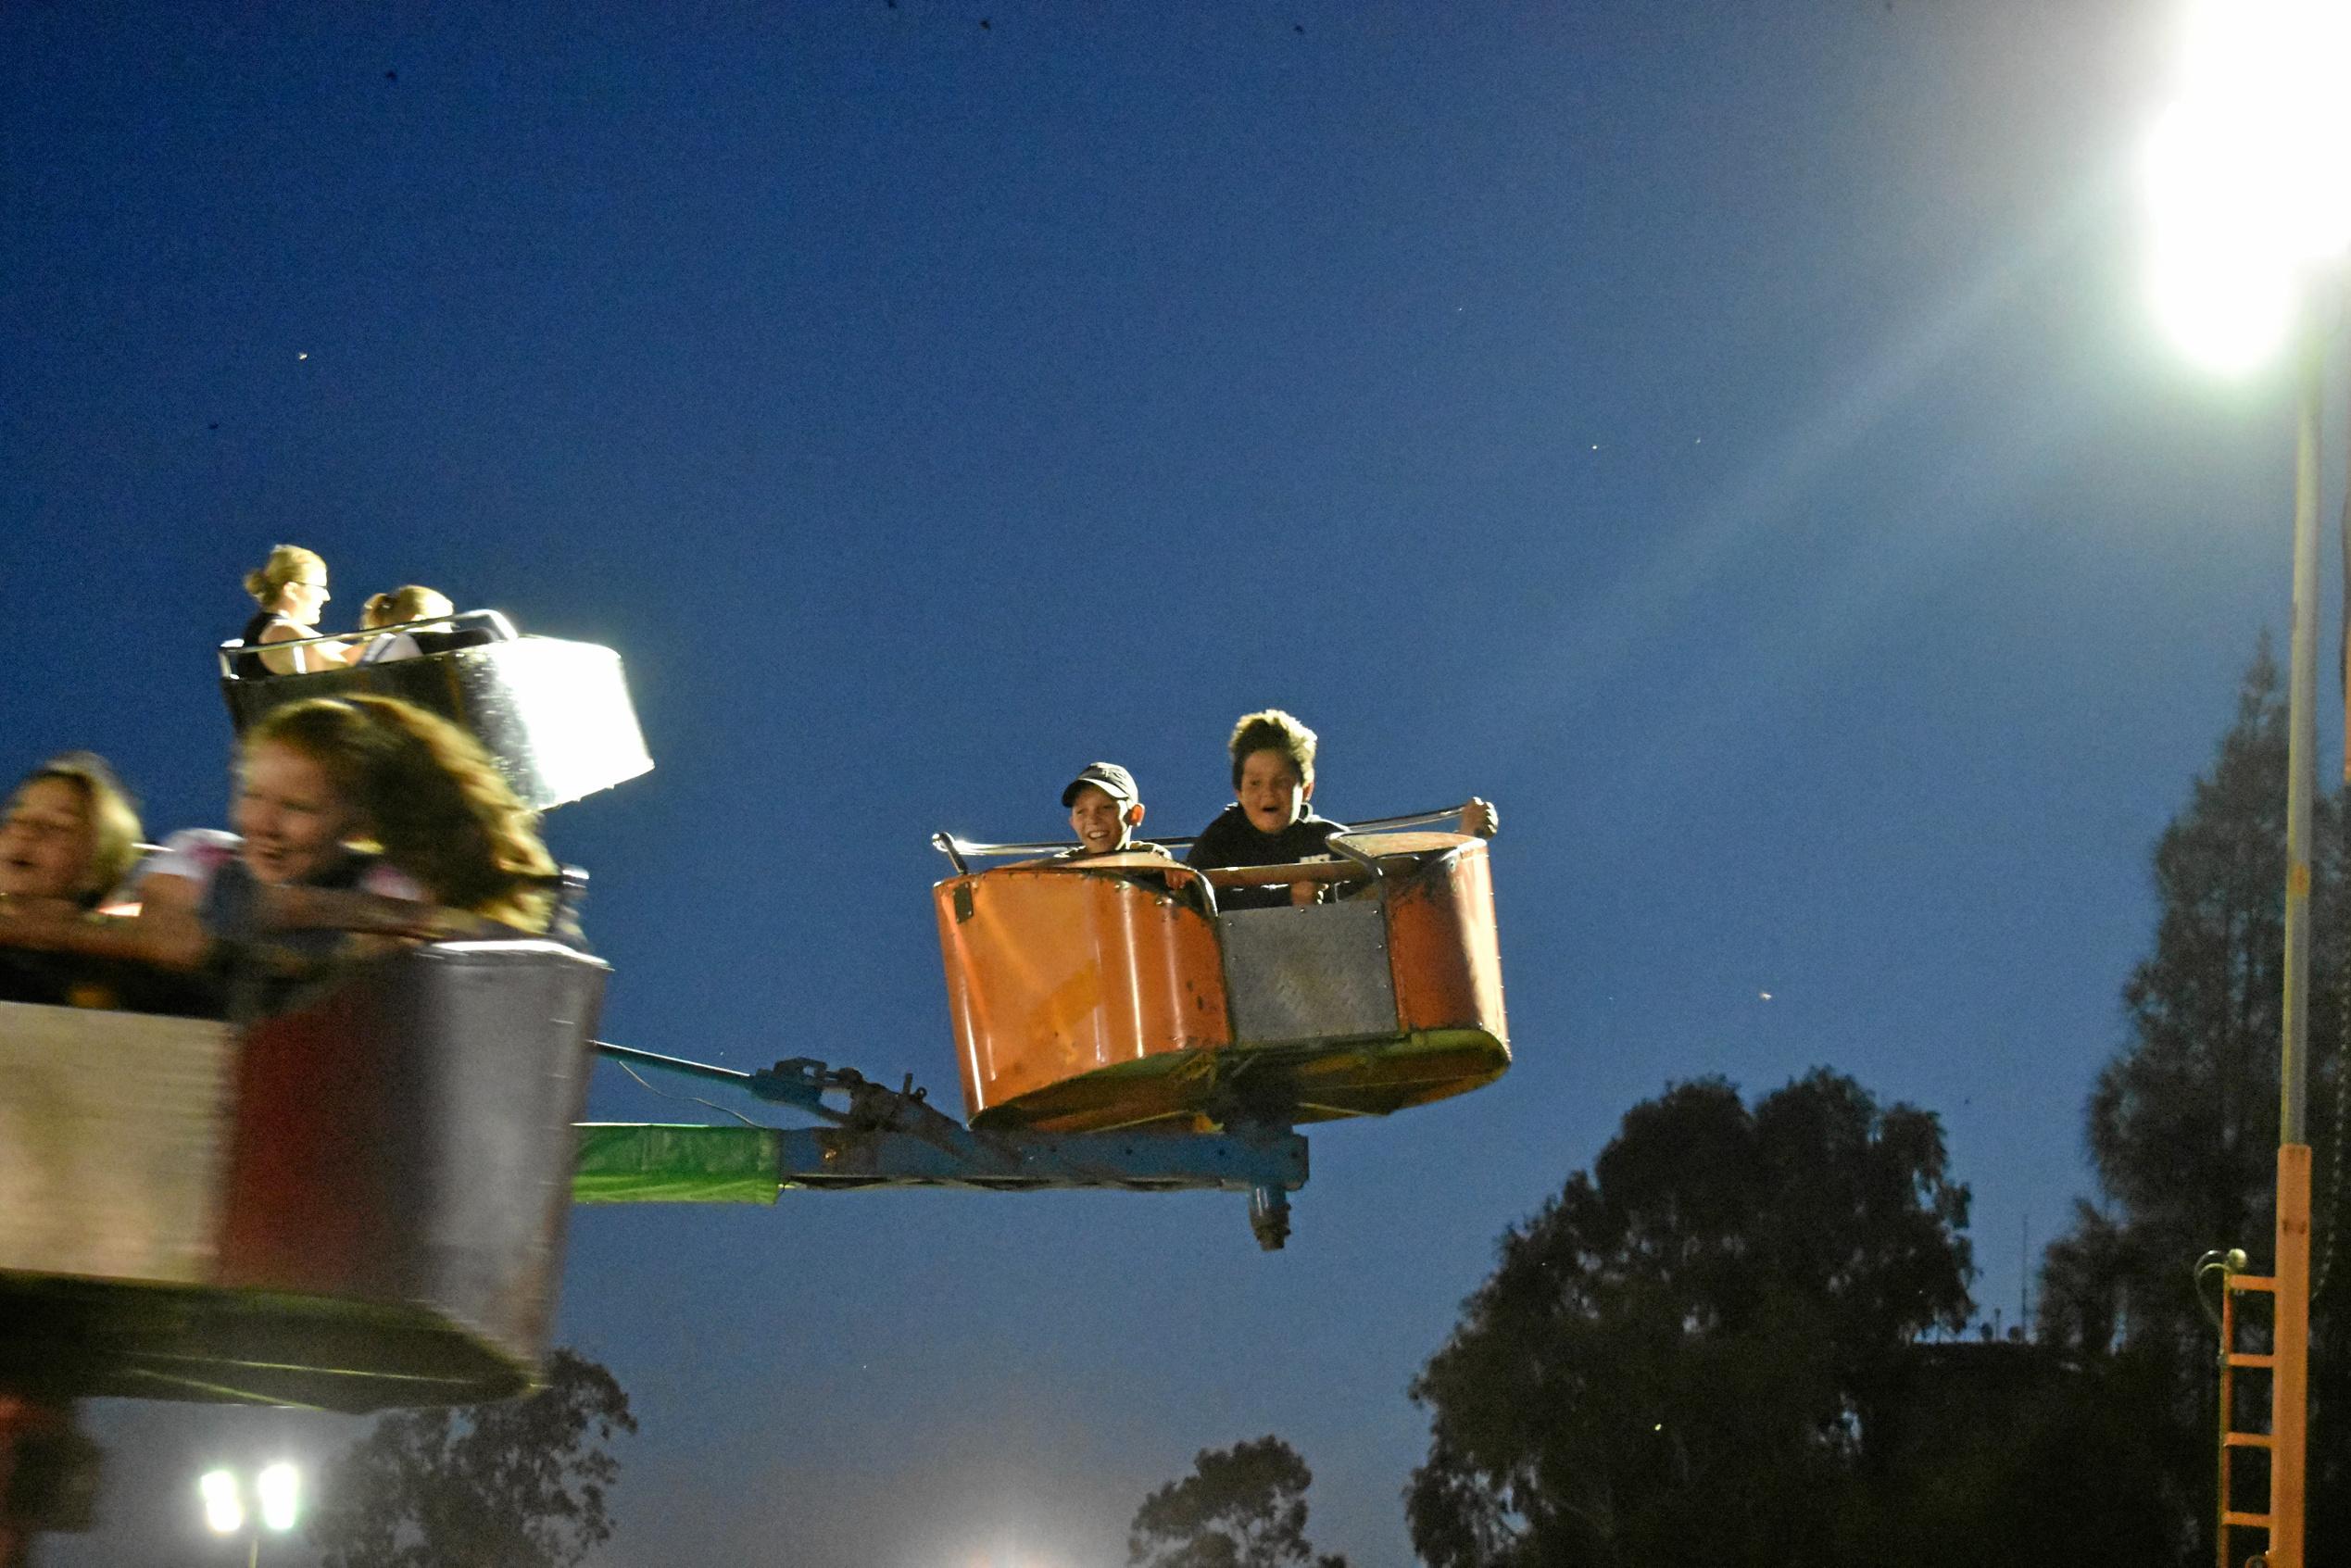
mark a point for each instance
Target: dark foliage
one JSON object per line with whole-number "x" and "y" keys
{"x": 519, "y": 1485}
{"x": 2182, "y": 1130}
{"x": 1242, "y": 1507}
{"x": 1687, "y": 1355}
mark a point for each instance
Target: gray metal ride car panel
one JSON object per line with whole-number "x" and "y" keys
{"x": 1319, "y": 973}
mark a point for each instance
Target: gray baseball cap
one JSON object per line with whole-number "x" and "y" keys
{"x": 1108, "y": 777}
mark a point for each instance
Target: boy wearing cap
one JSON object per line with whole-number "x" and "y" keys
{"x": 1104, "y": 809}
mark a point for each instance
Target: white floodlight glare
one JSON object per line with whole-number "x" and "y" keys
{"x": 279, "y": 1488}
{"x": 2247, "y": 173}
{"x": 223, "y": 1508}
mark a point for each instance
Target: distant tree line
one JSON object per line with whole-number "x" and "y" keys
{"x": 523, "y": 1484}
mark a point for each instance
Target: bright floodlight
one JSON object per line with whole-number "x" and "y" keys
{"x": 2246, "y": 172}
{"x": 222, "y": 1510}
{"x": 280, "y": 1491}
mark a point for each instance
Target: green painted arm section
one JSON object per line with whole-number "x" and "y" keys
{"x": 640, "y": 1163}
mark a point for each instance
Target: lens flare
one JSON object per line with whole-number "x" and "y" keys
{"x": 223, "y": 1509}
{"x": 2244, "y": 188}
{"x": 280, "y": 1490}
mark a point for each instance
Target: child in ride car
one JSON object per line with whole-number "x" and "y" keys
{"x": 1272, "y": 824}
{"x": 1104, "y": 809}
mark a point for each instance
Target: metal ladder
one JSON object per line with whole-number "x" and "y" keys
{"x": 2287, "y": 1361}
{"x": 2233, "y": 1361}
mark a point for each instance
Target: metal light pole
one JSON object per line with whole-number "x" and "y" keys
{"x": 2250, "y": 209}
{"x": 2289, "y": 1387}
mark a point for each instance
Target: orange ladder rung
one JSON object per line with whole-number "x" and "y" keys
{"x": 2248, "y": 1440}
{"x": 2253, "y": 1282}
{"x": 2250, "y": 1359}
{"x": 2251, "y": 1521}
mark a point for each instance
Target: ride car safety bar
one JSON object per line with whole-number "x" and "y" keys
{"x": 491, "y": 621}
{"x": 957, "y": 848}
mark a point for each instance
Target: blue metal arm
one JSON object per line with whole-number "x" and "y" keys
{"x": 894, "y": 1137}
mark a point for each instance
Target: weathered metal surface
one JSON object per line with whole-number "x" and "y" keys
{"x": 1318, "y": 973}
{"x": 1442, "y": 944}
{"x": 391, "y": 1170}
{"x": 113, "y": 1134}
{"x": 1390, "y": 997}
{"x": 1056, "y": 971}
{"x": 555, "y": 715}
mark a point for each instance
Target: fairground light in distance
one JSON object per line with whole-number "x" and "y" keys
{"x": 2248, "y": 170}
{"x": 277, "y": 1490}
{"x": 223, "y": 1509}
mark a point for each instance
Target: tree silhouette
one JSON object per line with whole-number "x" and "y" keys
{"x": 519, "y": 1485}
{"x": 2182, "y": 1125}
{"x": 1242, "y": 1507}
{"x": 1680, "y": 1358}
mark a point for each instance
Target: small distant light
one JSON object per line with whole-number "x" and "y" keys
{"x": 302, "y": 357}
{"x": 280, "y": 1490}
{"x": 1765, "y": 994}
{"x": 221, "y": 1509}
{"x": 1595, "y": 445}
{"x": 1659, "y": 1427}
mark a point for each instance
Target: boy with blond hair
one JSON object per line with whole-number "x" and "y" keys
{"x": 1271, "y": 821}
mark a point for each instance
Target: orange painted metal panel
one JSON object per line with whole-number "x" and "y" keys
{"x": 2290, "y": 1384}
{"x": 1054, "y": 973}
{"x": 1441, "y": 943}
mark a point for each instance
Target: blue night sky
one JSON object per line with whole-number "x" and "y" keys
{"x": 1729, "y": 437}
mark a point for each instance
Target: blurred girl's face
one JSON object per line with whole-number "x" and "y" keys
{"x": 294, "y": 821}
{"x": 47, "y": 841}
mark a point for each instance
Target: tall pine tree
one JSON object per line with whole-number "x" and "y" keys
{"x": 2182, "y": 1125}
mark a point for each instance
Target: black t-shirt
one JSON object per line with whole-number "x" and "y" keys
{"x": 1233, "y": 840}
{"x": 249, "y": 666}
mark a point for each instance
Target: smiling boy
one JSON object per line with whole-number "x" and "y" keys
{"x": 1104, "y": 810}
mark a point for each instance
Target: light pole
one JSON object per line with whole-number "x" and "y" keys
{"x": 277, "y": 1496}
{"x": 2251, "y": 217}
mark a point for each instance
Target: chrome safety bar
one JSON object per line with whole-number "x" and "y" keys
{"x": 493, "y": 620}
{"x": 957, "y": 848}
